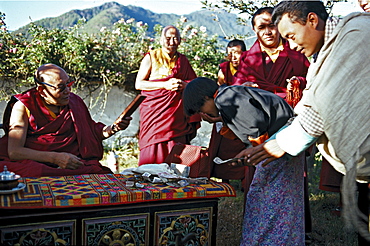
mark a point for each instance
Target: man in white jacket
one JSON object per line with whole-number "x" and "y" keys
{"x": 334, "y": 107}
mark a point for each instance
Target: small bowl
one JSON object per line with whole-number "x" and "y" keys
{"x": 9, "y": 184}
{"x": 8, "y": 180}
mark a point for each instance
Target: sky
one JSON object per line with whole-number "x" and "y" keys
{"x": 18, "y": 13}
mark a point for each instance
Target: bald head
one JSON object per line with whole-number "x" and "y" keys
{"x": 49, "y": 72}
{"x": 54, "y": 88}
{"x": 165, "y": 29}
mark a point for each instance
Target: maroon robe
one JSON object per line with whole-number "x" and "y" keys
{"x": 162, "y": 116}
{"x": 72, "y": 131}
{"x": 253, "y": 68}
{"x": 225, "y": 148}
{"x": 225, "y": 68}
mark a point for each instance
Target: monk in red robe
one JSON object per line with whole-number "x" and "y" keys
{"x": 49, "y": 130}
{"x": 162, "y": 76}
{"x": 270, "y": 63}
{"x": 234, "y": 50}
{"x": 219, "y": 145}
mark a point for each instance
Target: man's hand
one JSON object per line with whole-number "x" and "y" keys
{"x": 250, "y": 84}
{"x": 268, "y": 151}
{"x": 175, "y": 84}
{"x": 292, "y": 81}
{"x": 122, "y": 124}
{"x": 209, "y": 118}
{"x": 67, "y": 160}
{"x": 118, "y": 125}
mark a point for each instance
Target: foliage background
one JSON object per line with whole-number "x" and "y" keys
{"x": 112, "y": 56}
{"x": 99, "y": 60}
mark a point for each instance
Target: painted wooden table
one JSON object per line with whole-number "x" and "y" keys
{"x": 102, "y": 210}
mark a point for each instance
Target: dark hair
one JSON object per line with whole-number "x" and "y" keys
{"x": 261, "y": 11}
{"x": 299, "y": 10}
{"x": 195, "y": 93}
{"x": 236, "y": 42}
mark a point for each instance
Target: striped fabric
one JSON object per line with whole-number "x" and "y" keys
{"x": 100, "y": 190}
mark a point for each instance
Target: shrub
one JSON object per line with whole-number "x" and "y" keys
{"x": 100, "y": 60}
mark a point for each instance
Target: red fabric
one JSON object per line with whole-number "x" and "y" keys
{"x": 330, "y": 179}
{"x": 295, "y": 95}
{"x": 226, "y": 148}
{"x": 225, "y": 68}
{"x": 259, "y": 140}
{"x": 161, "y": 151}
{"x": 73, "y": 131}
{"x": 162, "y": 115}
{"x": 289, "y": 63}
{"x": 193, "y": 156}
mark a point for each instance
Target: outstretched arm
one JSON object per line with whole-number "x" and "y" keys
{"x": 292, "y": 139}
{"x": 268, "y": 151}
{"x": 118, "y": 125}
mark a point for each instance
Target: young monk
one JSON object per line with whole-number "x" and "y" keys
{"x": 219, "y": 145}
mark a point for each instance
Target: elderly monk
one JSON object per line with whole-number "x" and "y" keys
{"x": 341, "y": 127}
{"x": 270, "y": 63}
{"x": 49, "y": 131}
{"x": 162, "y": 76}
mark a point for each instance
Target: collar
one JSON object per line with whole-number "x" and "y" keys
{"x": 274, "y": 55}
{"x": 233, "y": 70}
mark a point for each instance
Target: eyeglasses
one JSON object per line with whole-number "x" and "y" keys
{"x": 60, "y": 88}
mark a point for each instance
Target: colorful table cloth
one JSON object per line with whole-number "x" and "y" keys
{"x": 100, "y": 190}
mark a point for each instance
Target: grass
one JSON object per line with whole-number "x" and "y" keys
{"x": 327, "y": 228}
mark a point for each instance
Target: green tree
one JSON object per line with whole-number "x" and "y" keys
{"x": 97, "y": 61}
{"x": 247, "y": 8}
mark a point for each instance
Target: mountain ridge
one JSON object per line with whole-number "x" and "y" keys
{"x": 109, "y": 13}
